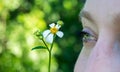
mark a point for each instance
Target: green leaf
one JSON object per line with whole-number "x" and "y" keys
{"x": 39, "y": 47}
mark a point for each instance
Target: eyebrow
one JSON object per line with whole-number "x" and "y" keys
{"x": 86, "y": 15}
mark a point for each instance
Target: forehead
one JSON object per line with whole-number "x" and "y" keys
{"x": 103, "y": 11}
{"x": 100, "y": 5}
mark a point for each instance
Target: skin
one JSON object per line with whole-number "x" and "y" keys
{"x": 102, "y": 19}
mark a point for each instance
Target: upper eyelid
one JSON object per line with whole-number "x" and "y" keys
{"x": 88, "y": 37}
{"x": 84, "y": 32}
{"x": 87, "y": 19}
{"x": 87, "y": 34}
{"x": 90, "y": 31}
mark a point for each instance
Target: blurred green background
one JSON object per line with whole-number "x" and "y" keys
{"x": 19, "y": 19}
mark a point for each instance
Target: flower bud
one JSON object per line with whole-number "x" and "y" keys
{"x": 39, "y": 34}
{"x": 60, "y": 22}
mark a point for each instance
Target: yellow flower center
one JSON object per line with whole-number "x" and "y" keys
{"x": 53, "y": 30}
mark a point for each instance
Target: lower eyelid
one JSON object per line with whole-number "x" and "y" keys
{"x": 89, "y": 44}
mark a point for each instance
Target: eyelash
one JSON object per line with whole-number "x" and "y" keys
{"x": 87, "y": 37}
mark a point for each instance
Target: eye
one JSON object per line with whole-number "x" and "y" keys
{"x": 88, "y": 36}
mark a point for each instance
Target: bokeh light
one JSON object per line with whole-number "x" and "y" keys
{"x": 19, "y": 19}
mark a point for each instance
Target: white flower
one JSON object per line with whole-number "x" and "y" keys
{"x": 49, "y": 34}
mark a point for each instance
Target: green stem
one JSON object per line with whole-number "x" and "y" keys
{"x": 49, "y": 50}
{"x": 49, "y": 66}
{"x": 45, "y": 44}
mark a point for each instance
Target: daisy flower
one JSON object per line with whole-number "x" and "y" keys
{"x": 54, "y": 30}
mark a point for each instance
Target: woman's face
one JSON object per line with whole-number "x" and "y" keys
{"x": 101, "y": 41}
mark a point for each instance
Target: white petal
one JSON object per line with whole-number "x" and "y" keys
{"x": 57, "y": 26}
{"x": 49, "y": 38}
{"x": 45, "y": 33}
{"x": 60, "y": 34}
{"x": 52, "y": 25}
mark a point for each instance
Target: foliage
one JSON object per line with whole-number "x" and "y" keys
{"x": 18, "y": 21}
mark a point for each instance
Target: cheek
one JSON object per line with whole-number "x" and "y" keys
{"x": 105, "y": 57}
{"x": 116, "y": 56}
